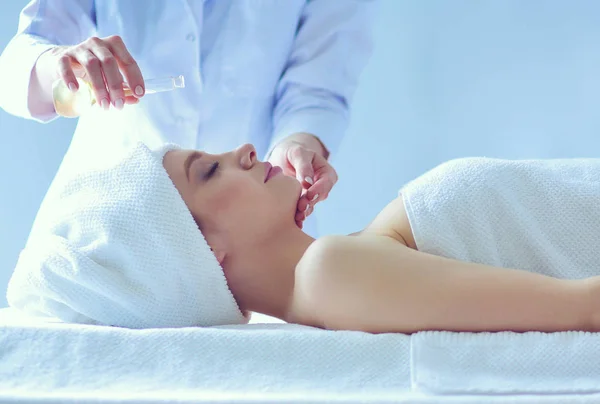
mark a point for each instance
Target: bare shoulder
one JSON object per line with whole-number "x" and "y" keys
{"x": 333, "y": 271}
{"x": 325, "y": 247}
{"x": 329, "y": 253}
{"x": 315, "y": 278}
{"x": 321, "y": 258}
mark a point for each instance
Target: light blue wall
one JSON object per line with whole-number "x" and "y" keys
{"x": 504, "y": 78}
{"x": 31, "y": 154}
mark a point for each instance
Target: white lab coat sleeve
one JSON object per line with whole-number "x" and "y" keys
{"x": 333, "y": 44}
{"x": 43, "y": 24}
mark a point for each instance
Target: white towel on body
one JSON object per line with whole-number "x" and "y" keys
{"x": 542, "y": 216}
{"x": 538, "y": 215}
{"x": 114, "y": 244}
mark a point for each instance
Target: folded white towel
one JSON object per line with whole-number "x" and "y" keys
{"x": 505, "y": 363}
{"x": 115, "y": 244}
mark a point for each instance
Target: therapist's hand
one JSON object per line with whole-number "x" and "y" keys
{"x": 105, "y": 63}
{"x": 304, "y": 157}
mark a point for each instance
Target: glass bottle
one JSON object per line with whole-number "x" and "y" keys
{"x": 72, "y": 104}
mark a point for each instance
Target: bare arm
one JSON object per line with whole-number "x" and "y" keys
{"x": 375, "y": 284}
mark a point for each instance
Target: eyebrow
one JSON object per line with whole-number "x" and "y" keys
{"x": 188, "y": 162}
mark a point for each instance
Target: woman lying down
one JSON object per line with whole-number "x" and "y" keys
{"x": 174, "y": 238}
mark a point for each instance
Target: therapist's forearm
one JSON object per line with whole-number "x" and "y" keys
{"x": 309, "y": 141}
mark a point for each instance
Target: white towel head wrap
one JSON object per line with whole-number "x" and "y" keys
{"x": 116, "y": 245}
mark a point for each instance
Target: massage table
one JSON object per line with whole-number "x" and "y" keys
{"x": 50, "y": 362}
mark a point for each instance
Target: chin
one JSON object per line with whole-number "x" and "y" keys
{"x": 297, "y": 186}
{"x": 289, "y": 185}
{"x": 287, "y": 194}
{"x": 292, "y": 195}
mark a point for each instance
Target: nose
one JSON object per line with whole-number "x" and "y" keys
{"x": 247, "y": 155}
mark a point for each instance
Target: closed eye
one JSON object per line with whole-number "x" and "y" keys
{"x": 211, "y": 172}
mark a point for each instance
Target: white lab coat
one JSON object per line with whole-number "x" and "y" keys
{"x": 256, "y": 71}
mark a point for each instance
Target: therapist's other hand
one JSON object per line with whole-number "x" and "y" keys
{"x": 103, "y": 62}
{"x": 298, "y": 158}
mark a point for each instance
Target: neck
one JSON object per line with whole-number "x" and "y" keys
{"x": 269, "y": 267}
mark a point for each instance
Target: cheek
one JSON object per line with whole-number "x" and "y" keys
{"x": 234, "y": 201}
{"x": 241, "y": 204}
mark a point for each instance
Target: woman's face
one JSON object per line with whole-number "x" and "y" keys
{"x": 233, "y": 196}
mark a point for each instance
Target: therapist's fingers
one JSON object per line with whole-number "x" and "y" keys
{"x": 131, "y": 100}
{"x": 301, "y": 159}
{"x": 320, "y": 191}
{"x": 302, "y": 204}
{"x": 309, "y": 211}
{"x": 304, "y": 209}
{"x": 112, "y": 76}
{"x": 107, "y": 65}
{"x": 325, "y": 179}
{"x": 93, "y": 73}
{"x": 301, "y": 210}
{"x": 128, "y": 65}
{"x": 299, "y": 218}
{"x": 66, "y": 73}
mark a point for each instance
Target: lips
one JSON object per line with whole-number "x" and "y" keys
{"x": 268, "y": 168}
{"x": 271, "y": 171}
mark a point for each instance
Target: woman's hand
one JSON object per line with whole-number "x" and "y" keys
{"x": 104, "y": 62}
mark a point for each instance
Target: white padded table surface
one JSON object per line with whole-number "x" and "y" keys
{"x": 55, "y": 363}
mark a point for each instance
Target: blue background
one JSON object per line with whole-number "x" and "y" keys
{"x": 512, "y": 79}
